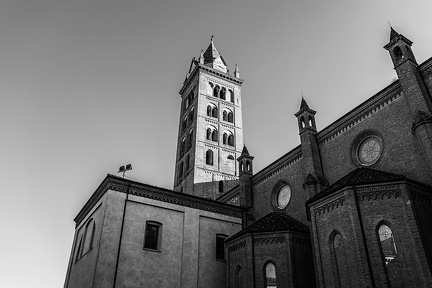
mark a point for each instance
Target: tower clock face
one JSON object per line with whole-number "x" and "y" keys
{"x": 219, "y": 65}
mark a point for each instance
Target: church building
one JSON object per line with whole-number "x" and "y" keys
{"x": 349, "y": 207}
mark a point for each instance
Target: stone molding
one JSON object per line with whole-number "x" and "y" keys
{"x": 199, "y": 66}
{"x": 237, "y": 247}
{"x": 122, "y": 185}
{"x": 301, "y": 241}
{"x": 330, "y": 206}
{"x": 382, "y": 99}
{"x": 269, "y": 240}
{"x": 264, "y": 175}
{"x": 377, "y": 195}
{"x": 216, "y": 81}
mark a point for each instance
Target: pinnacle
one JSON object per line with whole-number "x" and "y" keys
{"x": 303, "y": 104}
{"x": 393, "y": 33}
{"x": 245, "y": 151}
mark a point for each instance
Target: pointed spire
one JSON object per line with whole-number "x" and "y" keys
{"x": 304, "y": 105}
{"x": 245, "y": 151}
{"x": 393, "y": 33}
{"x": 211, "y": 53}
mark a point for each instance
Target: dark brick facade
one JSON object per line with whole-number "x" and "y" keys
{"x": 370, "y": 171}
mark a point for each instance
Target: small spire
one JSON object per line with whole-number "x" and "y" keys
{"x": 201, "y": 58}
{"x": 211, "y": 38}
{"x": 245, "y": 151}
{"x": 303, "y": 104}
{"x": 236, "y": 71}
{"x": 393, "y": 33}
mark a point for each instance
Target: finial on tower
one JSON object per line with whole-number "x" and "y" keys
{"x": 211, "y": 39}
{"x": 201, "y": 58}
{"x": 236, "y": 72}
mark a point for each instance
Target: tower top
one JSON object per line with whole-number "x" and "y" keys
{"x": 213, "y": 58}
{"x": 304, "y": 107}
{"x": 393, "y": 33}
{"x": 245, "y": 151}
{"x": 395, "y": 37}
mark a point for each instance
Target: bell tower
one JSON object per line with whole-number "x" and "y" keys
{"x": 210, "y": 136}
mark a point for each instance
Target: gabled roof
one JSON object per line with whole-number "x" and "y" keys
{"x": 273, "y": 222}
{"x": 359, "y": 176}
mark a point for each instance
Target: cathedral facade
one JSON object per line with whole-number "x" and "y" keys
{"x": 349, "y": 207}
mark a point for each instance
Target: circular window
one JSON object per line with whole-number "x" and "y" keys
{"x": 283, "y": 196}
{"x": 369, "y": 150}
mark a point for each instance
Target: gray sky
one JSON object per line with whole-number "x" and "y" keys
{"x": 87, "y": 86}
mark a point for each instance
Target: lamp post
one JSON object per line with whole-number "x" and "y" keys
{"x": 124, "y": 169}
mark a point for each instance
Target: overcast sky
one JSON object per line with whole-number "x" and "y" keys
{"x": 87, "y": 86}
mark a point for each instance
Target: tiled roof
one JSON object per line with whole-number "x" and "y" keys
{"x": 360, "y": 176}
{"x": 273, "y": 222}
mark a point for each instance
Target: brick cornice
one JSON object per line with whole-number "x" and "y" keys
{"x": 363, "y": 111}
{"x": 277, "y": 166}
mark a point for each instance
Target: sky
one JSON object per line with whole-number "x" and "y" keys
{"x": 88, "y": 86}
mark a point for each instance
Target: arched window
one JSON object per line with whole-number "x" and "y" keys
{"x": 184, "y": 124}
{"x": 389, "y": 255}
{"x": 311, "y": 122}
{"x": 216, "y": 91}
{"x": 302, "y": 122}
{"x": 191, "y": 114}
{"x": 209, "y": 134}
{"x": 215, "y": 112}
{"x": 210, "y": 88}
{"x": 182, "y": 147}
{"x": 192, "y": 93}
{"x": 225, "y": 138}
{"x": 339, "y": 259}
{"x": 209, "y": 111}
{"x": 230, "y": 157}
{"x": 190, "y": 139}
{"x": 270, "y": 275}
{"x": 187, "y": 162}
{"x": 231, "y": 96}
{"x": 214, "y": 135}
{"x": 397, "y": 53}
{"x": 238, "y": 277}
{"x": 181, "y": 170}
{"x": 231, "y": 140}
{"x": 241, "y": 167}
{"x": 231, "y": 117}
{"x": 209, "y": 157}
{"x": 186, "y": 102}
{"x": 225, "y": 115}
{"x": 223, "y": 93}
